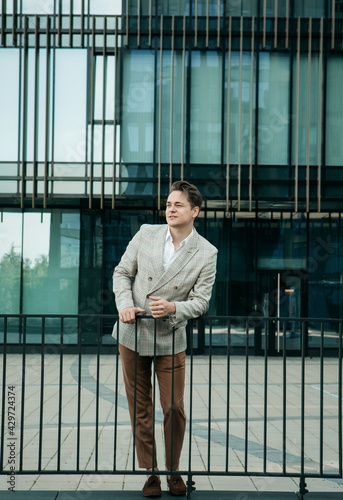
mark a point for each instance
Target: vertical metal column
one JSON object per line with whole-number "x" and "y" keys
{"x": 196, "y": 24}
{"x": 3, "y": 21}
{"x": 36, "y": 115}
{"x": 171, "y": 104}
{"x": 264, "y": 23}
{"x": 24, "y": 127}
{"x": 138, "y": 23}
{"x": 91, "y": 160}
{"x": 71, "y": 9}
{"x": 47, "y": 113}
{"x": 183, "y": 98}
{"x": 297, "y": 121}
{"x": 228, "y": 120}
{"x": 218, "y": 24}
{"x": 251, "y": 110}
{"x": 160, "y": 119}
{"x": 115, "y": 111}
{"x": 275, "y": 22}
{"x": 309, "y": 58}
{"x": 207, "y": 22}
{"x": 103, "y": 127}
{"x": 333, "y": 16}
{"x": 320, "y": 91}
{"x": 287, "y": 24}
{"x": 239, "y": 176}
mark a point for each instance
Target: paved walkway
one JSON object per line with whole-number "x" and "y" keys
{"x": 104, "y": 485}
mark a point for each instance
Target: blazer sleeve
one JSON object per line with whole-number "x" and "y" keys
{"x": 198, "y": 299}
{"x": 124, "y": 273}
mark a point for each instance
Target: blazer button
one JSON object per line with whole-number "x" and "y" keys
{"x": 150, "y": 278}
{"x": 175, "y": 287}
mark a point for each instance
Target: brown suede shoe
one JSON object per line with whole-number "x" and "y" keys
{"x": 152, "y": 487}
{"x": 176, "y": 486}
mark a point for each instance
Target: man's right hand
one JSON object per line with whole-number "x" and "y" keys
{"x": 128, "y": 315}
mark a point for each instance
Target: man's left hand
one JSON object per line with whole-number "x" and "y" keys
{"x": 160, "y": 307}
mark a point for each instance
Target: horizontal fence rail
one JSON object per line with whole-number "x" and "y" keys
{"x": 65, "y": 412}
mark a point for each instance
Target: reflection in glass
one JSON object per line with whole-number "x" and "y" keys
{"x": 169, "y": 115}
{"x": 273, "y": 127}
{"x": 99, "y": 104}
{"x": 240, "y": 149}
{"x": 10, "y": 262}
{"x": 206, "y": 107}
{"x": 314, "y": 124}
{"x": 309, "y": 8}
{"x": 9, "y": 92}
{"x": 334, "y": 111}
{"x": 241, "y": 8}
{"x": 51, "y": 243}
{"x": 138, "y": 106}
{"x": 70, "y": 105}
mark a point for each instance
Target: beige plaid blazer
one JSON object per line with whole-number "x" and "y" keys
{"x": 187, "y": 282}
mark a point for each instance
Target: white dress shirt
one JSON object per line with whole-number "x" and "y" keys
{"x": 169, "y": 253}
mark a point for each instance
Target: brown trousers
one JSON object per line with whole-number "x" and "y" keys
{"x": 173, "y": 408}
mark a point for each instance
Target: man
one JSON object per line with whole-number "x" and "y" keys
{"x": 167, "y": 271}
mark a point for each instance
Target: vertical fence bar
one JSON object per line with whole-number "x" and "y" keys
{"x": 60, "y": 399}
{"x": 41, "y": 403}
{"x": 303, "y": 398}
{"x": 228, "y": 381}
{"x": 265, "y": 406}
{"x": 154, "y": 400}
{"x": 116, "y": 402}
{"x": 3, "y": 403}
{"x": 209, "y": 398}
{"x": 23, "y": 382}
{"x": 284, "y": 393}
{"x": 319, "y": 171}
{"x": 340, "y": 382}
{"x": 246, "y": 437}
{"x": 189, "y": 483}
{"x": 171, "y": 104}
{"x": 172, "y": 405}
{"x": 251, "y": 110}
{"x": 79, "y": 377}
{"x": 228, "y": 120}
{"x": 297, "y": 121}
{"x": 321, "y": 418}
{"x": 135, "y": 400}
{"x": 97, "y": 395}
{"x": 160, "y": 120}
{"x": 308, "y": 115}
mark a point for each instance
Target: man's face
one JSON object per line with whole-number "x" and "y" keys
{"x": 179, "y": 213}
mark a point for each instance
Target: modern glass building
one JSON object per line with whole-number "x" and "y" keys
{"x": 104, "y": 104}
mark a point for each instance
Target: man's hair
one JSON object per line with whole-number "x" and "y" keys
{"x": 192, "y": 192}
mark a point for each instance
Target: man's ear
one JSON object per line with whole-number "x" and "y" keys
{"x": 196, "y": 212}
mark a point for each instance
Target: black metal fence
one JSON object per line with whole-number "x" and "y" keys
{"x": 64, "y": 409}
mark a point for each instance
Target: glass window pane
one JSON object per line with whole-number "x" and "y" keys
{"x": 206, "y": 107}
{"x": 51, "y": 269}
{"x": 9, "y": 93}
{"x": 334, "y": 111}
{"x": 302, "y": 131}
{"x": 70, "y": 105}
{"x": 167, "y": 91}
{"x": 109, "y": 88}
{"x": 240, "y": 145}
{"x": 138, "y": 106}
{"x": 309, "y": 8}
{"x": 241, "y": 8}
{"x": 10, "y": 262}
{"x": 37, "y": 6}
{"x": 105, "y": 7}
{"x": 273, "y": 126}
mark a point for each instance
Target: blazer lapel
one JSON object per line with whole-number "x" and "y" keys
{"x": 181, "y": 260}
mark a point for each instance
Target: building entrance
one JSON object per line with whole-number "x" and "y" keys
{"x": 280, "y": 295}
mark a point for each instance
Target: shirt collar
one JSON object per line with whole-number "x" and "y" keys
{"x": 183, "y": 242}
